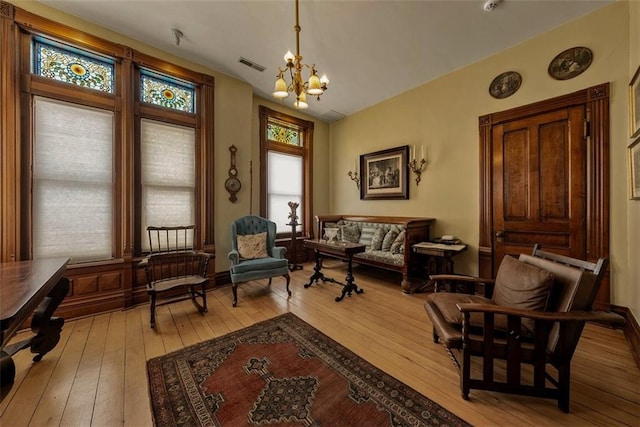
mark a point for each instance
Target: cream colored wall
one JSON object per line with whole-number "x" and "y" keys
{"x": 235, "y": 122}
{"x": 443, "y": 116}
{"x": 631, "y": 294}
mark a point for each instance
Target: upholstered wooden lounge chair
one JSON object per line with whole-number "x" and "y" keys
{"x": 174, "y": 268}
{"x": 532, "y": 314}
{"x": 254, "y": 254}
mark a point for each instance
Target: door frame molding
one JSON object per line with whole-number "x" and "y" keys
{"x": 595, "y": 100}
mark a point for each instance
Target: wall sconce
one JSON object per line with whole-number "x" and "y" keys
{"x": 354, "y": 177}
{"x": 417, "y": 168}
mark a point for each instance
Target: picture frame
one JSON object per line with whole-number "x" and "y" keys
{"x": 385, "y": 174}
{"x": 634, "y": 169}
{"x": 634, "y": 105}
{"x": 505, "y": 84}
{"x": 570, "y": 63}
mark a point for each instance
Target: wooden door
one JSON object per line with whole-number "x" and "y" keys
{"x": 539, "y": 181}
{"x": 544, "y": 178}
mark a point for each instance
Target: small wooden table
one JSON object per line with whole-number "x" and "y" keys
{"x": 438, "y": 258}
{"x": 26, "y": 286}
{"x": 342, "y": 250}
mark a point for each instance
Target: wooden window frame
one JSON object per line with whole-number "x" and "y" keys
{"x": 306, "y": 151}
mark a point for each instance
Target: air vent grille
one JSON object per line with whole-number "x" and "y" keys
{"x": 252, "y": 64}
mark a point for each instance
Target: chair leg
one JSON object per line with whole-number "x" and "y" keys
{"x": 152, "y": 308}
{"x": 465, "y": 374}
{"x": 234, "y": 288}
{"x": 286, "y": 276}
{"x": 435, "y": 336}
{"x": 269, "y": 284}
{"x": 564, "y": 382}
{"x": 204, "y": 298}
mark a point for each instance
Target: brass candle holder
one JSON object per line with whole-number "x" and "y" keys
{"x": 417, "y": 168}
{"x": 354, "y": 177}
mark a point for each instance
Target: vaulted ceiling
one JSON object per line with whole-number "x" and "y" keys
{"x": 371, "y": 50}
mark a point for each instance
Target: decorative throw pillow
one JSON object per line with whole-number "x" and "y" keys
{"x": 397, "y": 243}
{"x": 366, "y": 235}
{"x": 388, "y": 239}
{"x": 522, "y": 285}
{"x": 351, "y": 233}
{"x": 252, "y": 246}
{"x": 376, "y": 240}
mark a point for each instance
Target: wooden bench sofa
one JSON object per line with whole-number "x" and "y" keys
{"x": 394, "y": 253}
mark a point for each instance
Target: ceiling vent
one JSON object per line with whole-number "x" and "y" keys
{"x": 251, "y": 64}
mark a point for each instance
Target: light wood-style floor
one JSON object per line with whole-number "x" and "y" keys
{"x": 97, "y": 376}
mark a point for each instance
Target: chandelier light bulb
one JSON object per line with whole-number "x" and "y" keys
{"x": 314, "y": 85}
{"x": 301, "y": 102}
{"x": 280, "y": 91}
{"x": 324, "y": 80}
{"x": 288, "y": 57}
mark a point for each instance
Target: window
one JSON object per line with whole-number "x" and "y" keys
{"x": 286, "y": 147}
{"x": 110, "y": 146}
{"x": 168, "y": 176}
{"x": 72, "y": 181}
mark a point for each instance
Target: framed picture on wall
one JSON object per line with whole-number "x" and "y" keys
{"x": 634, "y": 169}
{"x": 634, "y": 104}
{"x": 385, "y": 174}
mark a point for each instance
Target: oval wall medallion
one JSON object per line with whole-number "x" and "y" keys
{"x": 570, "y": 63}
{"x": 506, "y": 84}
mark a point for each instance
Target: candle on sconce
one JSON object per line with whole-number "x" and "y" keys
{"x": 422, "y": 151}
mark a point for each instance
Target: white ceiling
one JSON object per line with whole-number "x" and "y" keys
{"x": 371, "y": 50}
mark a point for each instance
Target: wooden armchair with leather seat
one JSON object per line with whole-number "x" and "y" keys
{"x": 520, "y": 333}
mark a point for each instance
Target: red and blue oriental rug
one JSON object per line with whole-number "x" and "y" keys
{"x": 282, "y": 372}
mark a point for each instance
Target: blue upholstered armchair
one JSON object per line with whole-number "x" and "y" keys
{"x": 254, "y": 254}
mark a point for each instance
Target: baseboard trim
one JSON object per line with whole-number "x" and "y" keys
{"x": 631, "y": 331}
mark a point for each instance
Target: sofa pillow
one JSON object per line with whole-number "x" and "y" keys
{"x": 398, "y": 243}
{"x": 366, "y": 235}
{"x": 252, "y": 246}
{"x": 351, "y": 233}
{"x": 522, "y": 285}
{"x": 388, "y": 239}
{"x": 376, "y": 240}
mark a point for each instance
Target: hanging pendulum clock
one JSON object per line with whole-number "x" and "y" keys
{"x": 233, "y": 184}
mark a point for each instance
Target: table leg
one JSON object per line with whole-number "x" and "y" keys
{"x": 350, "y": 286}
{"x": 317, "y": 273}
{"x": 47, "y": 334}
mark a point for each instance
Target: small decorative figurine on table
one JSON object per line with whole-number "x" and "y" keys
{"x": 293, "y": 222}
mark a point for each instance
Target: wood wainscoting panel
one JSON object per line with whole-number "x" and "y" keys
{"x": 110, "y": 281}
{"x": 85, "y": 285}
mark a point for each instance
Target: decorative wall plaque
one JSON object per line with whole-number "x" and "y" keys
{"x": 504, "y": 85}
{"x": 233, "y": 184}
{"x": 570, "y": 63}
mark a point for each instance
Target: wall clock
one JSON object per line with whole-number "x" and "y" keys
{"x": 233, "y": 184}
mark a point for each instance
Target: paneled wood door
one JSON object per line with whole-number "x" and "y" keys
{"x": 539, "y": 183}
{"x": 544, "y": 178}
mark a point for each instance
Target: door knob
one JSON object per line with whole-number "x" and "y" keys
{"x": 499, "y": 235}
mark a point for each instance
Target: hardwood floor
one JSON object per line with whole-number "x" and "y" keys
{"x": 97, "y": 375}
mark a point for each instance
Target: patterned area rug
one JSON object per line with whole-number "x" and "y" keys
{"x": 282, "y": 372}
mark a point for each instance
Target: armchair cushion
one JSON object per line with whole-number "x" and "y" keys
{"x": 252, "y": 246}
{"x": 522, "y": 285}
{"x": 266, "y": 263}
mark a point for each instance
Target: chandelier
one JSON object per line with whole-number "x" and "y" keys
{"x": 315, "y": 86}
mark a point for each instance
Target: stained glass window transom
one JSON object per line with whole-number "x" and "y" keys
{"x": 165, "y": 93}
{"x": 71, "y": 65}
{"x": 283, "y": 132}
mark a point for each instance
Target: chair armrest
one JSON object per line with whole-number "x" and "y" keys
{"x": 234, "y": 257}
{"x": 143, "y": 262}
{"x": 278, "y": 252}
{"x": 552, "y": 316}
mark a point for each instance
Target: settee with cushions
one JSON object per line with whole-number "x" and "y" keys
{"x": 388, "y": 240}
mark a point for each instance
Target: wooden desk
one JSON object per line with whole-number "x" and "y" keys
{"x": 342, "y": 250}
{"x": 26, "y": 286}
